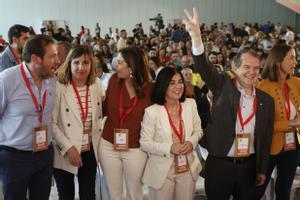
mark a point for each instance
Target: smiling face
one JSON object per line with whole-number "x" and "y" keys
{"x": 288, "y": 64}
{"x": 248, "y": 73}
{"x": 81, "y": 68}
{"x": 187, "y": 74}
{"x": 175, "y": 88}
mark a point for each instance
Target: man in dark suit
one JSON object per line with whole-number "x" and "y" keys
{"x": 238, "y": 135}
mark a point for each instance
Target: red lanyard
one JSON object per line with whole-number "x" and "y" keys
{"x": 15, "y": 56}
{"x": 123, "y": 114}
{"x": 287, "y": 99}
{"x": 84, "y": 115}
{"x": 242, "y": 122}
{"x": 39, "y": 108}
{"x": 180, "y": 132}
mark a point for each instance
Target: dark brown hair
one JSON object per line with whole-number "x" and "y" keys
{"x": 274, "y": 60}
{"x": 137, "y": 61}
{"x": 36, "y": 45}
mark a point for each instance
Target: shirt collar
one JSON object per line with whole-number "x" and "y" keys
{"x": 28, "y": 75}
{"x": 242, "y": 91}
{"x": 10, "y": 54}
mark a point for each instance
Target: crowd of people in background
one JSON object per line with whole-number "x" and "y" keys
{"x": 179, "y": 74}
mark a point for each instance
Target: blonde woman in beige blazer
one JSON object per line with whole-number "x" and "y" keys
{"x": 77, "y": 124}
{"x": 171, "y": 127}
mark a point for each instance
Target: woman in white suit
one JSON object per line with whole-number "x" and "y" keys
{"x": 171, "y": 129}
{"x": 76, "y": 126}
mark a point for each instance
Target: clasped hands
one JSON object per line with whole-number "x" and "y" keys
{"x": 182, "y": 149}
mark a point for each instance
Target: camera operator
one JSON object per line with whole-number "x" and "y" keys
{"x": 159, "y": 23}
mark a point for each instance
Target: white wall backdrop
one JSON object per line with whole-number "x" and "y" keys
{"x": 126, "y": 13}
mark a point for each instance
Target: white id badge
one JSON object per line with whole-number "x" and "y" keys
{"x": 121, "y": 139}
{"x": 85, "y": 145}
{"x": 182, "y": 160}
{"x": 181, "y": 164}
{"x": 290, "y": 142}
{"x": 40, "y": 142}
{"x": 242, "y": 145}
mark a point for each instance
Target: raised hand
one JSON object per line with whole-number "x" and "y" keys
{"x": 192, "y": 23}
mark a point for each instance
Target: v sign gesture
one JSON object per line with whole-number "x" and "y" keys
{"x": 193, "y": 27}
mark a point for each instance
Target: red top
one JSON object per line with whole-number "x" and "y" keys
{"x": 133, "y": 120}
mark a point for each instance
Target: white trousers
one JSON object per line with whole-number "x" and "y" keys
{"x": 118, "y": 164}
{"x": 176, "y": 186}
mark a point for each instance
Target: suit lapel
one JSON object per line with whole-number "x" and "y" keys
{"x": 71, "y": 100}
{"x": 93, "y": 94}
{"x": 165, "y": 124}
{"x": 258, "y": 115}
{"x": 185, "y": 117}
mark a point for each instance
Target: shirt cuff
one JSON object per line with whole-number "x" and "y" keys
{"x": 198, "y": 51}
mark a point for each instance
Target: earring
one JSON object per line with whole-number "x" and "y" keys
{"x": 130, "y": 74}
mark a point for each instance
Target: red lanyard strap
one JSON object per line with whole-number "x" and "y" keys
{"x": 15, "y": 56}
{"x": 287, "y": 99}
{"x": 243, "y": 123}
{"x": 123, "y": 114}
{"x": 84, "y": 114}
{"x": 38, "y": 107}
{"x": 179, "y": 133}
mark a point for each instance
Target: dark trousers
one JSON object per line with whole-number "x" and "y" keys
{"x": 225, "y": 178}
{"x": 20, "y": 171}
{"x": 286, "y": 163}
{"x": 86, "y": 178}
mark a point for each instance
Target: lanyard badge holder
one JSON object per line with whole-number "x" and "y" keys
{"x": 121, "y": 135}
{"x": 181, "y": 162}
{"x": 86, "y": 134}
{"x": 40, "y": 133}
{"x": 242, "y": 144}
{"x": 242, "y": 140}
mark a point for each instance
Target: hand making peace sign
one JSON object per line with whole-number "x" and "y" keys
{"x": 192, "y": 23}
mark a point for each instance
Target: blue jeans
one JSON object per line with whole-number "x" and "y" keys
{"x": 20, "y": 171}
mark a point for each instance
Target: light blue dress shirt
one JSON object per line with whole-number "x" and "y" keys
{"x": 18, "y": 114}
{"x": 7, "y": 59}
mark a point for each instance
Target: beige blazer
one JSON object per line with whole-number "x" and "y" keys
{"x": 156, "y": 140}
{"x": 67, "y": 125}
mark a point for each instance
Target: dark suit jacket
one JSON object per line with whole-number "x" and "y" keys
{"x": 220, "y": 133}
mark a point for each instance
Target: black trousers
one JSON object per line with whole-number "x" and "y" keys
{"x": 286, "y": 163}
{"x": 225, "y": 178}
{"x": 86, "y": 178}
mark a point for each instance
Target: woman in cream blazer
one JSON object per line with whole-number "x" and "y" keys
{"x": 77, "y": 80}
{"x": 159, "y": 141}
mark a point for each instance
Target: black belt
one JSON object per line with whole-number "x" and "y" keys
{"x": 14, "y": 150}
{"x": 236, "y": 160}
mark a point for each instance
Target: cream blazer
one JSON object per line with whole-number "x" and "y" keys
{"x": 67, "y": 125}
{"x": 156, "y": 140}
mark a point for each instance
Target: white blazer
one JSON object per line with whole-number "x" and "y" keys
{"x": 67, "y": 125}
{"x": 156, "y": 140}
